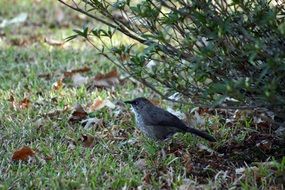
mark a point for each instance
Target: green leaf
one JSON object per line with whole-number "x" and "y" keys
{"x": 69, "y": 38}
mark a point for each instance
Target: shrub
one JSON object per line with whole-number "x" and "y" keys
{"x": 219, "y": 53}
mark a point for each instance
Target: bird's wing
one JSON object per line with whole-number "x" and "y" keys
{"x": 161, "y": 117}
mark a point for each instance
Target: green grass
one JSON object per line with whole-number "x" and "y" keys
{"x": 112, "y": 163}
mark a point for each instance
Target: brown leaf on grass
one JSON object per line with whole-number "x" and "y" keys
{"x": 87, "y": 140}
{"x": 25, "y": 103}
{"x": 78, "y": 114}
{"x": 53, "y": 42}
{"x": 99, "y": 104}
{"x": 57, "y": 85}
{"x": 202, "y": 111}
{"x": 147, "y": 178}
{"x": 23, "y": 154}
{"x": 107, "y": 80}
{"x": 74, "y": 71}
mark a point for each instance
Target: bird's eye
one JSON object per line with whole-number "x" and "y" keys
{"x": 136, "y": 102}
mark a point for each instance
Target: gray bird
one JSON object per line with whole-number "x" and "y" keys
{"x": 159, "y": 124}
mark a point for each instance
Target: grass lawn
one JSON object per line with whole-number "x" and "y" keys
{"x": 36, "y": 109}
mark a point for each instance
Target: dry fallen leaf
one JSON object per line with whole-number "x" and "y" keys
{"x": 74, "y": 71}
{"x": 87, "y": 140}
{"x": 23, "y": 153}
{"x": 57, "y": 85}
{"x": 78, "y": 114}
{"x": 147, "y": 178}
{"x": 99, "y": 104}
{"x": 53, "y": 42}
{"x": 105, "y": 80}
{"x": 25, "y": 103}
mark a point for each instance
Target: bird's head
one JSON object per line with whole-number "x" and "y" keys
{"x": 139, "y": 104}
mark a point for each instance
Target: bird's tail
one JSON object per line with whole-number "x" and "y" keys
{"x": 201, "y": 134}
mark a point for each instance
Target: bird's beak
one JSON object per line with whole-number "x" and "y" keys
{"x": 128, "y": 102}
